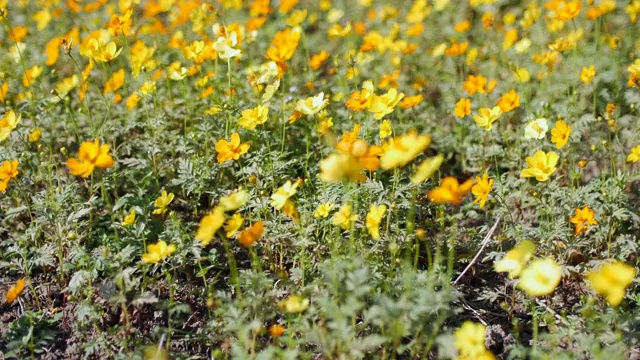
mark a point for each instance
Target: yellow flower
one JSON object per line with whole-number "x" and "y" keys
{"x": 31, "y": 75}
{"x": 162, "y": 202}
{"x": 481, "y": 189}
{"x": 344, "y": 218}
{"x": 157, "y": 252}
{"x": 251, "y": 234}
{"x": 450, "y": 191}
{"x": 91, "y": 155}
{"x": 587, "y": 74}
{"x": 325, "y": 125}
{"x": 253, "y": 117}
{"x": 562, "y": 45}
{"x": 235, "y": 200}
{"x": 583, "y": 219}
{"x": 338, "y": 31}
{"x": 152, "y": 352}
{"x": 8, "y": 123}
{"x": 560, "y": 134}
{"x": 129, "y": 219}
{"x": 102, "y": 52}
{"x": 469, "y": 341}
{"x": 522, "y": 75}
{"x": 427, "y": 168}
{"x": 541, "y": 165}
{"x": 234, "y": 224}
{"x": 634, "y": 155}
{"x": 633, "y": 9}
{"x": 209, "y": 224}
{"x": 294, "y": 304}
{"x": 231, "y": 150}
{"x": 176, "y": 72}
{"x": 510, "y": 37}
{"x": 516, "y": 259}
{"x": 132, "y": 100}
{"x": 198, "y": 51}
{"x": 366, "y": 156}
{"x": 148, "y": 88}
{"x": 509, "y": 101}
{"x": 296, "y": 18}
{"x": 337, "y": 167}
{"x": 225, "y": 46}
{"x": 400, "y": 150}
{"x": 385, "y": 129}
{"x": 536, "y": 129}
{"x": 8, "y": 171}
{"x": 15, "y": 291}
{"x": 548, "y": 58}
{"x": 289, "y": 209}
{"x": 611, "y": 280}
{"x": 384, "y": 105}
{"x": 42, "y": 18}
{"x": 282, "y": 195}
{"x": 374, "y": 217}
{"x": 142, "y": 57}
{"x": 487, "y": 117}
{"x": 323, "y": 210}
{"x": 312, "y": 105}
{"x": 463, "y": 107}
{"x": 541, "y": 277}
{"x": 66, "y": 85}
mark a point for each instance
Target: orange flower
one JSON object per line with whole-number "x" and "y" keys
{"x": 91, "y": 155}
{"x": 462, "y": 26}
{"x": 509, "y": 101}
{"x": 583, "y": 219}
{"x": 487, "y": 20}
{"x": 8, "y": 171}
{"x": 411, "y": 101}
{"x": 4, "y": 89}
{"x": 251, "y": 234}
{"x": 120, "y": 24}
{"x": 367, "y": 156}
{"x": 15, "y": 291}
{"x": 284, "y": 44}
{"x": 52, "y": 50}
{"x": 359, "y": 100}
{"x": 318, "y": 59}
{"x": 115, "y": 82}
{"x": 570, "y": 10}
{"x": 255, "y": 23}
{"x": 18, "y": 33}
{"x": 450, "y": 191}
{"x": 276, "y": 330}
{"x": 463, "y": 107}
{"x": 457, "y": 49}
{"x": 231, "y": 150}
{"x": 475, "y": 83}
